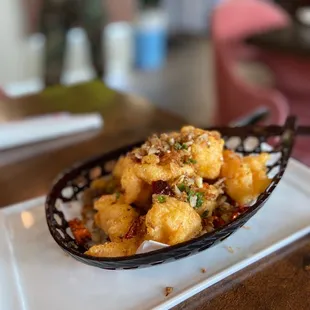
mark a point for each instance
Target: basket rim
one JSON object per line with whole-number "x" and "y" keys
{"x": 70, "y": 173}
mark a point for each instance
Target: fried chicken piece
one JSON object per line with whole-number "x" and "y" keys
{"x": 114, "y": 216}
{"x": 206, "y": 150}
{"x": 114, "y": 249}
{"x": 120, "y": 166}
{"x": 245, "y": 177}
{"x": 171, "y": 221}
{"x": 132, "y": 185}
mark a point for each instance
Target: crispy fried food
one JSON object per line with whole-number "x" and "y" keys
{"x": 144, "y": 199}
{"x": 258, "y": 167}
{"x": 120, "y": 166}
{"x": 169, "y": 156}
{"x": 79, "y": 231}
{"x": 152, "y": 173}
{"x": 132, "y": 185}
{"x": 137, "y": 229}
{"x": 209, "y": 202}
{"x": 171, "y": 221}
{"x": 245, "y": 178}
{"x": 135, "y": 189}
{"x": 114, "y": 249}
{"x": 137, "y": 179}
{"x": 179, "y": 185}
{"x": 114, "y": 216}
{"x": 207, "y": 151}
{"x": 201, "y": 196}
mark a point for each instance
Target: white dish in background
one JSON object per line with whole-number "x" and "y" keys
{"x": 46, "y": 127}
{"x": 35, "y": 273}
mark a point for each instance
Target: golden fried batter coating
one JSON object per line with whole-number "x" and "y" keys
{"x": 207, "y": 151}
{"x": 132, "y": 185}
{"x": 245, "y": 178}
{"x": 151, "y": 173}
{"x": 114, "y": 249}
{"x": 171, "y": 221}
{"x": 114, "y": 216}
{"x": 119, "y": 167}
{"x": 171, "y": 185}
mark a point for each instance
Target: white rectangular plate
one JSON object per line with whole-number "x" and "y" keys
{"x": 35, "y": 273}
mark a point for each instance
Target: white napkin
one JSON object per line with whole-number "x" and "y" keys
{"x": 46, "y": 127}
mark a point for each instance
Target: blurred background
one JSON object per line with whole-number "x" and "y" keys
{"x": 33, "y": 31}
{"x": 163, "y": 50}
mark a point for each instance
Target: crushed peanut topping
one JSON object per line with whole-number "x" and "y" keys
{"x": 177, "y": 146}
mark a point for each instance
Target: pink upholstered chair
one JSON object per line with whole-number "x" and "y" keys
{"x": 232, "y": 22}
{"x": 292, "y": 76}
{"x": 292, "y": 73}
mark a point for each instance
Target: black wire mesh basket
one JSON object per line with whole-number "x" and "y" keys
{"x": 276, "y": 140}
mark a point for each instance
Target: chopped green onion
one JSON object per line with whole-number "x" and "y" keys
{"x": 178, "y": 146}
{"x": 190, "y": 193}
{"x": 161, "y": 199}
{"x": 118, "y": 195}
{"x": 184, "y": 146}
{"x": 200, "y": 199}
{"x": 190, "y": 161}
{"x": 182, "y": 187}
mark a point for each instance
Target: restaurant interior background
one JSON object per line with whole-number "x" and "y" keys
{"x": 182, "y": 82}
{"x": 225, "y": 60}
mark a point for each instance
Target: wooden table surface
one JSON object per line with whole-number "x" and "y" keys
{"x": 276, "y": 282}
{"x": 293, "y": 40}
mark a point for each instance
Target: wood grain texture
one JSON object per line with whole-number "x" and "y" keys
{"x": 277, "y": 282}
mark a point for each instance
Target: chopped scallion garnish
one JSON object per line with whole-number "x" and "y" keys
{"x": 161, "y": 199}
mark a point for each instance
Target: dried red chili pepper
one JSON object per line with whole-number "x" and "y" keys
{"x": 81, "y": 234}
{"x": 137, "y": 227}
{"x": 132, "y": 231}
{"x": 218, "y": 222}
{"x": 162, "y": 188}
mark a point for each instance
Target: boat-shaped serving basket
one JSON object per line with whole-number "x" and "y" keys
{"x": 277, "y": 140}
